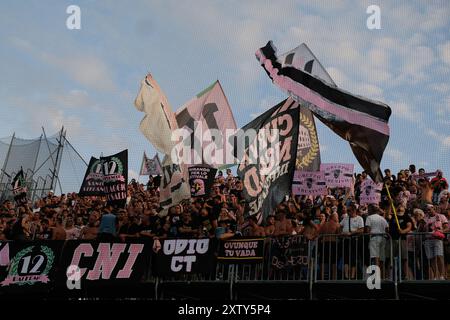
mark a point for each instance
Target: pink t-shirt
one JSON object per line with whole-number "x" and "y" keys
{"x": 436, "y": 222}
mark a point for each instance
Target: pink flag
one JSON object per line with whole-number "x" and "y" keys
{"x": 338, "y": 174}
{"x": 309, "y": 183}
{"x": 370, "y": 192}
{"x": 211, "y": 109}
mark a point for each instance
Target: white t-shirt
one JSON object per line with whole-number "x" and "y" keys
{"x": 376, "y": 223}
{"x": 355, "y": 224}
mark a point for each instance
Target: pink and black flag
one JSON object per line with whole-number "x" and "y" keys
{"x": 211, "y": 110}
{"x": 370, "y": 192}
{"x": 338, "y": 175}
{"x": 309, "y": 183}
{"x": 360, "y": 121}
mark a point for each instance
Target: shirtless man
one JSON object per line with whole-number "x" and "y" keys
{"x": 283, "y": 226}
{"x": 270, "y": 228}
{"x": 328, "y": 246}
{"x": 59, "y": 233}
{"x": 90, "y": 231}
{"x": 256, "y": 231}
{"x": 426, "y": 192}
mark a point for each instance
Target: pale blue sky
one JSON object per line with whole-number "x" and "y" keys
{"x": 87, "y": 79}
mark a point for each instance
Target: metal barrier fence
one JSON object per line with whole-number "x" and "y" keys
{"x": 284, "y": 262}
{"x": 346, "y": 258}
{"x": 285, "y": 259}
{"x": 337, "y": 257}
{"x": 423, "y": 257}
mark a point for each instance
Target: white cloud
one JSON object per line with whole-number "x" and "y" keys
{"x": 338, "y": 76}
{"x": 395, "y": 154}
{"x": 415, "y": 63}
{"x": 370, "y": 91}
{"x": 86, "y": 69}
{"x": 405, "y": 111}
{"x": 440, "y": 87}
{"x": 72, "y": 99}
{"x": 446, "y": 141}
{"x": 444, "y": 52}
{"x": 443, "y": 139}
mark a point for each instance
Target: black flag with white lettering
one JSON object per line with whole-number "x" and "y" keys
{"x": 20, "y": 188}
{"x": 201, "y": 179}
{"x": 115, "y": 178}
{"x": 267, "y": 166}
{"x": 93, "y": 179}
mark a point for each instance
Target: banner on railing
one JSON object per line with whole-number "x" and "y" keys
{"x": 241, "y": 251}
{"x": 103, "y": 261}
{"x": 288, "y": 253}
{"x": 178, "y": 256}
{"x": 28, "y": 266}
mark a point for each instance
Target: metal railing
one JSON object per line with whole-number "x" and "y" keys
{"x": 346, "y": 258}
{"x": 423, "y": 257}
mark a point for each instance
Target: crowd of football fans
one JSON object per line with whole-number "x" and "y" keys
{"x": 421, "y": 204}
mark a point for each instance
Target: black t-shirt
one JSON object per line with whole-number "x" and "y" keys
{"x": 190, "y": 226}
{"x": 204, "y": 223}
{"x": 215, "y": 211}
{"x": 134, "y": 228}
{"x": 148, "y": 228}
{"x": 393, "y": 230}
{"x": 129, "y": 229}
{"x": 17, "y": 232}
{"x": 46, "y": 235}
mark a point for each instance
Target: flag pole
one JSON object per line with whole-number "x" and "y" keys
{"x": 393, "y": 207}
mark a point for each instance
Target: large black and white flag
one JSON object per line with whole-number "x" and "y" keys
{"x": 92, "y": 184}
{"x": 115, "y": 178}
{"x": 267, "y": 167}
{"x": 362, "y": 122}
{"x": 308, "y": 153}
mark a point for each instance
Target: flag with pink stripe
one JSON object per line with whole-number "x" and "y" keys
{"x": 362, "y": 122}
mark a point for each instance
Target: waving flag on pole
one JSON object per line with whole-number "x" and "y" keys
{"x": 19, "y": 188}
{"x": 261, "y": 189}
{"x": 157, "y": 126}
{"x": 360, "y": 121}
{"x": 308, "y": 151}
{"x": 211, "y": 109}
